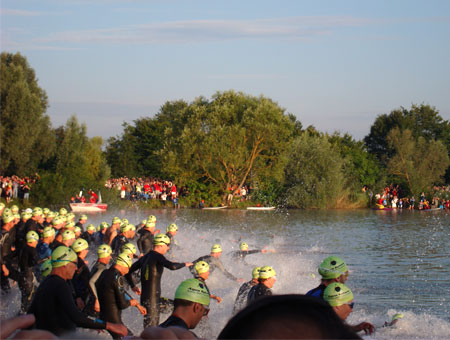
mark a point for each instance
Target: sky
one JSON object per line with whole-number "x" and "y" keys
{"x": 336, "y": 65}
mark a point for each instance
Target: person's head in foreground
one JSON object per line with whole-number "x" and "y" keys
{"x": 191, "y": 302}
{"x": 287, "y": 317}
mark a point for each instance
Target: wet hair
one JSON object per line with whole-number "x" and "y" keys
{"x": 287, "y": 317}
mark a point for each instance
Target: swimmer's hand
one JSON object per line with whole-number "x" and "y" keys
{"x": 117, "y": 328}
{"x": 367, "y": 327}
{"x": 240, "y": 280}
{"x": 136, "y": 290}
{"x": 188, "y": 264}
{"x": 163, "y": 333}
{"x": 218, "y": 299}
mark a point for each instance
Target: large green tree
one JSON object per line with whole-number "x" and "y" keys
{"x": 78, "y": 164}
{"x": 420, "y": 162}
{"x": 422, "y": 120}
{"x": 25, "y": 130}
{"x": 229, "y": 141}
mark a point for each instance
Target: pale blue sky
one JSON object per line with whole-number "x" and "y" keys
{"x": 334, "y": 64}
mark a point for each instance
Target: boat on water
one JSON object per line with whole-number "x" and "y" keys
{"x": 88, "y": 207}
{"x": 260, "y": 208}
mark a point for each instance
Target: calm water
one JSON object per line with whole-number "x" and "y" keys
{"x": 398, "y": 261}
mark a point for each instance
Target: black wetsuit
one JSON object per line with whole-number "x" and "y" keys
{"x": 55, "y": 310}
{"x": 318, "y": 291}
{"x": 175, "y": 321}
{"x": 96, "y": 271}
{"x": 55, "y": 244}
{"x": 117, "y": 243}
{"x": 239, "y": 255}
{"x": 112, "y": 297}
{"x": 88, "y": 237}
{"x": 152, "y": 267}
{"x": 145, "y": 242}
{"x": 214, "y": 263}
{"x": 80, "y": 281}
{"x": 8, "y": 240}
{"x": 257, "y": 292}
{"x": 79, "y": 224}
{"x": 241, "y": 298}
{"x": 27, "y": 261}
{"x": 173, "y": 242}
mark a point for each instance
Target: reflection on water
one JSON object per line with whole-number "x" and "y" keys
{"x": 399, "y": 260}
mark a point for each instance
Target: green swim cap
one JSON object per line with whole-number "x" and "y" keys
{"x": 266, "y": 272}
{"x": 201, "y": 267}
{"x": 83, "y": 217}
{"x": 62, "y": 211}
{"x": 57, "y": 220}
{"x": 337, "y": 294}
{"x": 91, "y": 227}
{"x": 126, "y": 227}
{"x": 116, "y": 220}
{"x": 2, "y": 205}
{"x": 103, "y": 251}
{"x": 129, "y": 248}
{"x": 68, "y": 235}
{"x": 70, "y": 225}
{"x": 332, "y": 267}
{"x": 62, "y": 255}
{"x": 48, "y": 232}
{"x": 70, "y": 217}
{"x": 172, "y": 227}
{"x": 32, "y": 236}
{"x": 243, "y": 246}
{"x": 193, "y": 290}
{"x": 216, "y": 248}
{"x": 77, "y": 229}
{"x": 255, "y": 272}
{"x": 46, "y": 268}
{"x": 104, "y": 225}
{"x": 80, "y": 245}
{"x": 124, "y": 259}
{"x": 46, "y": 211}
{"x": 14, "y": 209}
{"x": 124, "y": 221}
{"x": 161, "y": 239}
{"x": 8, "y": 218}
{"x": 51, "y": 214}
{"x": 149, "y": 225}
{"x": 152, "y": 218}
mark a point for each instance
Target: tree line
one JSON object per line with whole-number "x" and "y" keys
{"x": 217, "y": 145}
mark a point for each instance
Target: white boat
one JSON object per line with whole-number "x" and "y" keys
{"x": 88, "y": 207}
{"x": 260, "y": 208}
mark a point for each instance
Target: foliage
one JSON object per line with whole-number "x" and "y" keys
{"x": 422, "y": 120}
{"x": 78, "y": 164}
{"x": 420, "y": 162}
{"x": 229, "y": 140}
{"x": 26, "y": 139}
{"x": 361, "y": 168}
{"x": 314, "y": 174}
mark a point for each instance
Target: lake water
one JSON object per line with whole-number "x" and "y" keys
{"x": 398, "y": 260}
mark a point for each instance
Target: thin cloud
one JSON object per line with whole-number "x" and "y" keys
{"x": 293, "y": 28}
{"x": 243, "y": 76}
{"x": 19, "y": 12}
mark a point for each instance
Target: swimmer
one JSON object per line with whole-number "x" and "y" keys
{"x": 340, "y": 297}
{"x": 152, "y": 266}
{"x": 332, "y": 269}
{"x": 241, "y": 298}
{"x": 266, "y": 280}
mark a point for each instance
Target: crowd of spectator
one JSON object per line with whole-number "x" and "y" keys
{"x": 146, "y": 188}
{"x": 392, "y": 197}
{"x": 13, "y": 187}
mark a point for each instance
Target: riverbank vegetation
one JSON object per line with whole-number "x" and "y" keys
{"x": 216, "y": 146}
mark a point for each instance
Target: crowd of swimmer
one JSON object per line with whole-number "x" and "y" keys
{"x": 391, "y": 198}
{"x": 51, "y": 248}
